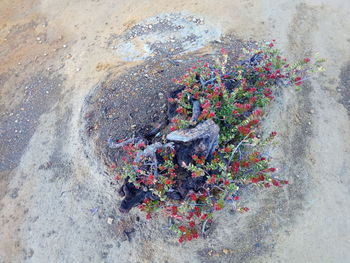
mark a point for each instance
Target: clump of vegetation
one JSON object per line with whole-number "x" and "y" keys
{"x": 235, "y": 99}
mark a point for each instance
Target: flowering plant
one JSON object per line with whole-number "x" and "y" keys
{"x": 235, "y": 98}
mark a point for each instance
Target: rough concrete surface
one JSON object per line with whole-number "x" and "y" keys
{"x": 57, "y": 203}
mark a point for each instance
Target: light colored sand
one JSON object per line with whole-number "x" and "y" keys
{"x": 45, "y": 199}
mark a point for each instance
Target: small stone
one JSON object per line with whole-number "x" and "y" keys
{"x": 64, "y": 46}
{"x": 78, "y": 69}
{"x": 312, "y": 111}
{"x": 38, "y": 38}
{"x": 109, "y": 220}
{"x": 150, "y": 26}
{"x": 226, "y": 251}
{"x": 45, "y": 54}
{"x": 133, "y": 126}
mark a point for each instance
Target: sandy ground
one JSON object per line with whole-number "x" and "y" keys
{"x": 54, "y": 196}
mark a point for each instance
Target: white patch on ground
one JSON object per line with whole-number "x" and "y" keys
{"x": 166, "y": 33}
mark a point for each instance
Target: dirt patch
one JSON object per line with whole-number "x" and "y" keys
{"x": 344, "y": 86}
{"x": 134, "y": 103}
{"x": 127, "y": 105}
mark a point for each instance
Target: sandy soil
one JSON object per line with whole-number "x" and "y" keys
{"x": 55, "y": 197}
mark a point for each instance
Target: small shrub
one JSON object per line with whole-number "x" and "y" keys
{"x": 235, "y": 98}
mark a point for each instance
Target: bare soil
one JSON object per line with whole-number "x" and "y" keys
{"x": 74, "y": 73}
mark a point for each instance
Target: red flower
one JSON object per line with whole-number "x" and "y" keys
{"x": 245, "y": 209}
{"x": 181, "y": 239}
{"x": 148, "y": 216}
{"x": 197, "y": 211}
{"x": 211, "y": 115}
{"x": 218, "y": 104}
{"x": 275, "y": 182}
{"x": 272, "y": 169}
{"x": 171, "y": 100}
{"x": 179, "y": 110}
{"x": 227, "y": 182}
{"x": 298, "y": 81}
{"x": 236, "y": 198}
{"x": 227, "y": 149}
{"x": 271, "y": 44}
{"x": 217, "y": 207}
{"x": 182, "y": 228}
{"x": 235, "y": 167}
{"x": 306, "y": 60}
{"x": 174, "y": 210}
{"x": 273, "y": 133}
{"x": 243, "y": 130}
{"x": 195, "y": 234}
{"x": 255, "y": 180}
{"x": 193, "y": 197}
{"x": 245, "y": 164}
{"x": 192, "y": 224}
{"x": 167, "y": 181}
{"x": 113, "y": 166}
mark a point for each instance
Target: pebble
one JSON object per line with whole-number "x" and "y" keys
{"x": 38, "y": 38}
{"x": 150, "y": 26}
{"x": 109, "y": 220}
{"x": 312, "y": 111}
{"x": 78, "y": 69}
{"x": 133, "y": 126}
{"x": 226, "y": 251}
{"x": 64, "y": 46}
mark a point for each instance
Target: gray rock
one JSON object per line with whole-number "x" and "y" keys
{"x": 200, "y": 140}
